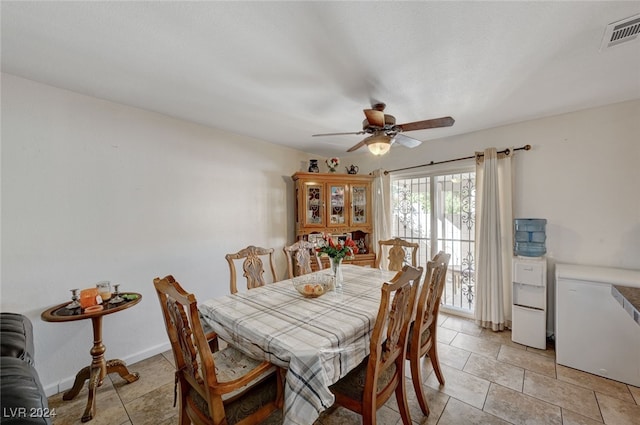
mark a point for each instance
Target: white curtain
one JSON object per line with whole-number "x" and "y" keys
{"x": 381, "y": 208}
{"x": 494, "y": 246}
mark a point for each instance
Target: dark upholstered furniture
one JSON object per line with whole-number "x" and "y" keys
{"x": 22, "y": 397}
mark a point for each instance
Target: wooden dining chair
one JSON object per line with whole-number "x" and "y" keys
{"x": 304, "y": 253}
{"x": 398, "y": 251}
{"x": 225, "y": 387}
{"x": 252, "y": 266}
{"x": 381, "y": 374}
{"x": 422, "y": 339}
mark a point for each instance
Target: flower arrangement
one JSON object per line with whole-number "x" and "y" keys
{"x": 340, "y": 250}
{"x": 332, "y": 163}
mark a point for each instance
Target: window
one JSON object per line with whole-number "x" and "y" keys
{"x": 438, "y": 212}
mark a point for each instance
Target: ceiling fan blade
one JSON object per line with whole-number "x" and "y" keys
{"x": 357, "y": 146}
{"x": 375, "y": 117}
{"x": 407, "y": 141}
{"x": 338, "y": 134}
{"x": 423, "y": 125}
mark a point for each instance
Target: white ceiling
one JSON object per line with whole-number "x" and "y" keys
{"x": 281, "y": 71}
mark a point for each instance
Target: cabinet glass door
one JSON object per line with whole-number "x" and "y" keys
{"x": 359, "y": 204}
{"x": 314, "y": 204}
{"x": 337, "y": 200}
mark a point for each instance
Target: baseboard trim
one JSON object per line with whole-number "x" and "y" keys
{"x": 67, "y": 382}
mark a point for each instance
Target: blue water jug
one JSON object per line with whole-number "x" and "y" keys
{"x": 530, "y": 237}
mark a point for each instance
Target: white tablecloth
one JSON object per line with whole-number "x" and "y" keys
{"x": 318, "y": 340}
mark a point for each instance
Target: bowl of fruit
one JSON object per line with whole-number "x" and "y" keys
{"x": 313, "y": 285}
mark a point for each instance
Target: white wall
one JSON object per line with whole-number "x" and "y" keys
{"x": 94, "y": 190}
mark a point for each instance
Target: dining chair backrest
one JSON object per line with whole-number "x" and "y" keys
{"x": 252, "y": 266}
{"x": 304, "y": 253}
{"x": 398, "y": 249}
{"x": 370, "y": 385}
{"x": 214, "y": 388}
{"x": 388, "y": 339}
{"x": 423, "y": 331}
{"x": 431, "y": 292}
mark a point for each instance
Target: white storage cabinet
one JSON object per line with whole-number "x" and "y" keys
{"x": 593, "y": 331}
{"x": 529, "y": 309}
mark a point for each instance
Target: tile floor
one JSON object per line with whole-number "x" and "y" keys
{"x": 489, "y": 380}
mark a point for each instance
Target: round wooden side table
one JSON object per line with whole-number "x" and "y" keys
{"x": 99, "y": 367}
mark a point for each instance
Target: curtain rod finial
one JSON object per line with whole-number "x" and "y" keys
{"x": 527, "y": 147}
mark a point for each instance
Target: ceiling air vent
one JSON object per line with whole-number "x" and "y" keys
{"x": 621, "y": 31}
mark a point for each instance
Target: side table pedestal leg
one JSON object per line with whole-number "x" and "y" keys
{"x": 94, "y": 382}
{"x": 81, "y": 376}
{"x": 117, "y": 365}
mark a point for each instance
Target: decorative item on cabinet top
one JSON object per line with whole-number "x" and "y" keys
{"x": 313, "y": 166}
{"x": 332, "y": 163}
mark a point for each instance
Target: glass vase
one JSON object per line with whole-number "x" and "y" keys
{"x": 336, "y": 268}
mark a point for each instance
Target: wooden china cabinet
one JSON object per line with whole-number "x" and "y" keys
{"x": 336, "y": 204}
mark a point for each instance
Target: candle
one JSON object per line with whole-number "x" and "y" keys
{"x": 88, "y": 297}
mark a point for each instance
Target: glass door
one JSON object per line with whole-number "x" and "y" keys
{"x": 454, "y": 227}
{"x": 359, "y": 205}
{"x": 438, "y": 212}
{"x": 314, "y": 205}
{"x": 337, "y": 204}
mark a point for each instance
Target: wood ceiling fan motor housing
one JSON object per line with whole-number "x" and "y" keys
{"x": 389, "y": 124}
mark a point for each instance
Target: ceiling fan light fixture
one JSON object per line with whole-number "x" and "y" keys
{"x": 379, "y": 148}
{"x": 379, "y": 144}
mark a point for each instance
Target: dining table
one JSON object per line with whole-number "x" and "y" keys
{"x": 316, "y": 341}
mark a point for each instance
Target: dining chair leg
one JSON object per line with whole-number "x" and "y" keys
{"x": 183, "y": 418}
{"x": 280, "y": 388}
{"x": 401, "y": 398}
{"x": 416, "y": 377}
{"x": 369, "y": 413}
{"x": 433, "y": 356}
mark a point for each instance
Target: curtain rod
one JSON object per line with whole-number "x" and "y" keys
{"x": 507, "y": 151}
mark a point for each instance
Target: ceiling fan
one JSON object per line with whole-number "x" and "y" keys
{"x": 384, "y": 131}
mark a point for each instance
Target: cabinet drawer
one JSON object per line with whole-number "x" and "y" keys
{"x": 365, "y": 260}
{"x": 529, "y": 273}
